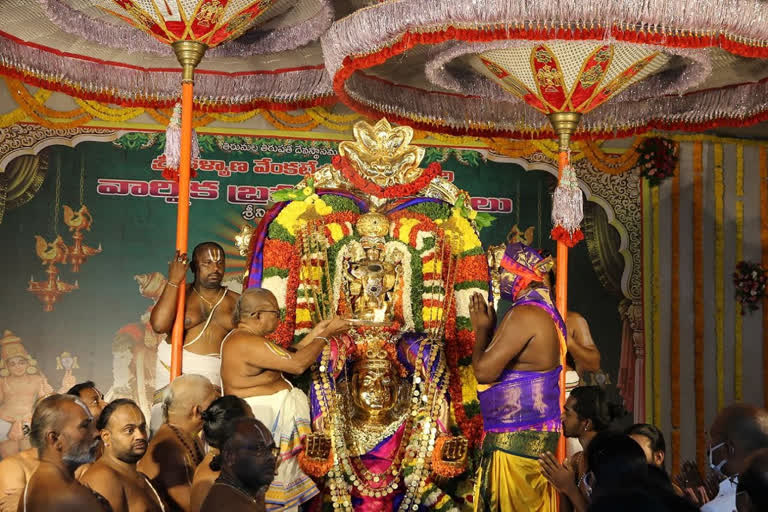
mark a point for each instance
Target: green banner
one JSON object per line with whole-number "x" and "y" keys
{"x": 102, "y": 322}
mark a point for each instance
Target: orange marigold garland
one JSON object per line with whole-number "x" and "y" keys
{"x": 444, "y": 468}
{"x": 315, "y": 467}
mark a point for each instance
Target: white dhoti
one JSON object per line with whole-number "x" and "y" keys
{"x": 572, "y": 444}
{"x": 286, "y": 414}
{"x": 209, "y": 366}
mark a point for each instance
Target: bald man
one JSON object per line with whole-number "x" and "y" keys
{"x": 248, "y": 467}
{"x": 252, "y": 368}
{"x": 207, "y": 317}
{"x": 64, "y": 433}
{"x": 737, "y": 432}
{"x": 123, "y": 431}
{"x": 176, "y": 449}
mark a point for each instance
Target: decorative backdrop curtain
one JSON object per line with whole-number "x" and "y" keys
{"x": 21, "y": 180}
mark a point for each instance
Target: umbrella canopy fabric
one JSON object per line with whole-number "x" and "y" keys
{"x": 417, "y": 63}
{"x": 79, "y": 48}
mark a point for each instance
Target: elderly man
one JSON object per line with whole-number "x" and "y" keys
{"x": 517, "y": 367}
{"x": 207, "y": 317}
{"x": 249, "y": 464}
{"x": 252, "y": 368}
{"x": 176, "y": 449}
{"x": 123, "y": 431}
{"x": 64, "y": 433}
{"x": 738, "y": 431}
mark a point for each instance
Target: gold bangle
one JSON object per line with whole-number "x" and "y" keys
{"x": 322, "y": 338}
{"x": 171, "y": 284}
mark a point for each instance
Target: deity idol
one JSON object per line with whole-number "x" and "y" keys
{"x": 21, "y": 385}
{"x": 393, "y": 248}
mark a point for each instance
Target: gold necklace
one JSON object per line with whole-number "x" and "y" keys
{"x": 210, "y": 305}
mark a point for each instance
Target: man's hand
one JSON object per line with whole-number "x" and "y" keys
{"x": 177, "y": 268}
{"x": 482, "y": 315}
{"x": 561, "y": 477}
{"x": 332, "y": 327}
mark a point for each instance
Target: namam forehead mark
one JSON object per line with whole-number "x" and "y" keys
{"x": 211, "y": 253}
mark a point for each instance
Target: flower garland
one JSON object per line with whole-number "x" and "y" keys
{"x": 738, "y": 327}
{"x": 343, "y": 165}
{"x": 657, "y": 160}
{"x": 698, "y": 303}
{"x": 674, "y": 349}
{"x": 719, "y": 190}
{"x": 750, "y": 281}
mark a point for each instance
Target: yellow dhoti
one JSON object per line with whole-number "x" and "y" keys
{"x": 510, "y": 478}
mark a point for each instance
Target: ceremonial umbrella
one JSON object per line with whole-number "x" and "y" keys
{"x": 80, "y": 48}
{"x": 461, "y": 67}
{"x": 190, "y": 27}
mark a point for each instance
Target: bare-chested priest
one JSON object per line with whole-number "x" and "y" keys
{"x": 252, "y": 368}
{"x": 123, "y": 432}
{"x": 64, "y": 433}
{"x": 517, "y": 366}
{"x": 207, "y": 317}
{"x": 176, "y": 450}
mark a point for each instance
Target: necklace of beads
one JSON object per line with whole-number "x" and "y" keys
{"x": 196, "y": 455}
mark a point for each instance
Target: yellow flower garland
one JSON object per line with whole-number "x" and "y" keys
{"x": 719, "y": 275}
{"x": 738, "y": 351}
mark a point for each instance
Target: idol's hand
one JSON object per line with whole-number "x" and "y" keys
{"x": 482, "y": 316}
{"x": 177, "y": 268}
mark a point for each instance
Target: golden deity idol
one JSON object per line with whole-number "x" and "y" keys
{"x": 371, "y": 275}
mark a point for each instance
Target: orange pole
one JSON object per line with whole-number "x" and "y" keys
{"x": 182, "y": 221}
{"x": 561, "y": 301}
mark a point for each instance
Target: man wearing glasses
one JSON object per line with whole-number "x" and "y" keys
{"x": 252, "y": 368}
{"x": 737, "y": 432}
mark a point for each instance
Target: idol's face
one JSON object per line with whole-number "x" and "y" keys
{"x": 375, "y": 389}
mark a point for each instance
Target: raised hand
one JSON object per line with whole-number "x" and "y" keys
{"x": 482, "y": 316}
{"x": 177, "y": 268}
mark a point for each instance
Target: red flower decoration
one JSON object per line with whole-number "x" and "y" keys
{"x": 561, "y": 234}
{"x": 342, "y": 164}
{"x": 750, "y": 282}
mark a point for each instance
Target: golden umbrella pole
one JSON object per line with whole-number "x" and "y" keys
{"x": 564, "y": 124}
{"x": 189, "y": 54}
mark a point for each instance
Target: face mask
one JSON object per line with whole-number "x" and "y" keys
{"x": 718, "y": 468}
